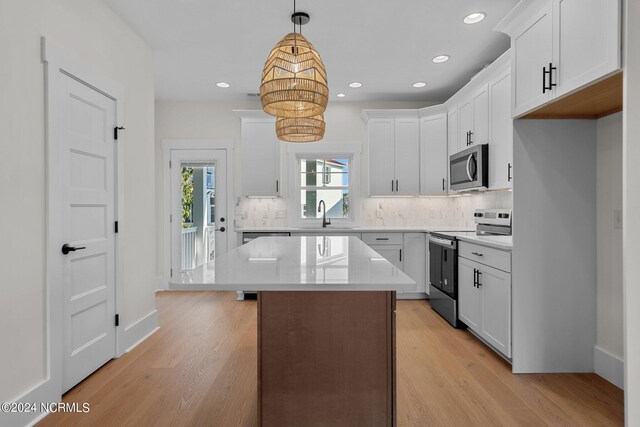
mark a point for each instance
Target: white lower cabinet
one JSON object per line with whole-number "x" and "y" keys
{"x": 469, "y": 305}
{"x": 484, "y": 303}
{"x": 415, "y": 259}
{"x": 392, "y": 253}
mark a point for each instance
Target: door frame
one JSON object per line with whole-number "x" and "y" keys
{"x": 58, "y": 65}
{"x": 192, "y": 144}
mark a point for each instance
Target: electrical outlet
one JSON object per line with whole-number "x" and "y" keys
{"x": 617, "y": 219}
{"x": 378, "y": 213}
{"x": 281, "y": 214}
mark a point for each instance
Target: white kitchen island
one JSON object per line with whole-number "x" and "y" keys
{"x": 326, "y": 327}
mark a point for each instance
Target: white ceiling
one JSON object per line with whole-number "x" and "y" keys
{"x": 385, "y": 44}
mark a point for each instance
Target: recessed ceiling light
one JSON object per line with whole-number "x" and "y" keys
{"x": 474, "y": 18}
{"x": 341, "y": 95}
{"x": 440, "y": 59}
{"x": 355, "y": 84}
{"x": 222, "y": 84}
{"x": 419, "y": 84}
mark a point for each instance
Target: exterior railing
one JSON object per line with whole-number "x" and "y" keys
{"x": 189, "y": 248}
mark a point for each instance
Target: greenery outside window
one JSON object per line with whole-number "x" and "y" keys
{"x": 327, "y": 179}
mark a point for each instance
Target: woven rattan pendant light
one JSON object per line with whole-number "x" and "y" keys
{"x": 300, "y": 129}
{"x": 294, "y": 80}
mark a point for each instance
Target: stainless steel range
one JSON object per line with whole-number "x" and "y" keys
{"x": 443, "y": 260}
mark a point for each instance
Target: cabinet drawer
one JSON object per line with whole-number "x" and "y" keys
{"x": 489, "y": 256}
{"x": 382, "y": 238}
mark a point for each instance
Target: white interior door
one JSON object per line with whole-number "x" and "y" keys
{"x": 182, "y": 245}
{"x": 87, "y": 163}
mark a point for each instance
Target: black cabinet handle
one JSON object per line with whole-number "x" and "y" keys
{"x": 400, "y": 255}
{"x": 549, "y": 72}
{"x": 392, "y": 186}
{"x": 477, "y": 254}
{"x": 382, "y": 238}
{"x": 470, "y": 140}
{"x": 396, "y": 185}
{"x": 509, "y": 172}
{"x": 66, "y": 248}
{"x": 475, "y": 280}
{"x": 442, "y": 184}
{"x": 221, "y": 219}
{"x": 277, "y": 186}
{"x": 221, "y": 229}
{"x": 478, "y": 274}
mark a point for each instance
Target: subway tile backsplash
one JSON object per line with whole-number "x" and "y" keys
{"x": 386, "y": 211}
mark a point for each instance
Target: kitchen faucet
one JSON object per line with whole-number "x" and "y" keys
{"x": 323, "y": 208}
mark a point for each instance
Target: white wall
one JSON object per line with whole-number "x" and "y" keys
{"x": 554, "y": 250}
{"x": 609, "y": 343}
{"x": 92, "y": 32}
{"x": 631, "y": 197}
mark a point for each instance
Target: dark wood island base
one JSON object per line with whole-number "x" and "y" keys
{"x": 326, "y": 358}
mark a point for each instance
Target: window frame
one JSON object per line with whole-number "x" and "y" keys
{"x": 351, "y": 152}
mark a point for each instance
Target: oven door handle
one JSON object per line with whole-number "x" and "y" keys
{"x": 469, "y": 166}
{"x": 441, "y": 242}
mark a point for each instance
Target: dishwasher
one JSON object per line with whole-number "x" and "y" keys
{"x": 246, "y": 238}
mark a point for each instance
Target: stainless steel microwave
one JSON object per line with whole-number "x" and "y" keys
{"x": 469, "y": 169}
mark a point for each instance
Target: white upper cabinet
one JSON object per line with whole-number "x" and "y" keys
{"x": 433, "y": 155}
{"x": 473, "y": 119}
{"x": 532, "y": 53}
{"x": 480, "y": 133}
{"x": 500, "y": 132}
{"x": 381, "y": 157}
{"x": 407, "y": 156}
{"x": 465, "y": 123}
{"x": 587, "y": 45}
{"x": 394, "y": 156}
{"x": 452, "y": 134}
{"x": 560, "y": 46}
{"x": 260, "y": 158}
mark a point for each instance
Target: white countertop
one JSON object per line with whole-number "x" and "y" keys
{"x": 504, "y": 243}
{"x": 302, "y": 263}
{"x": 357, "y": 229}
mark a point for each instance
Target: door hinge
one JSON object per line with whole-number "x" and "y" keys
{"x": 116, "y": 227}
{"x": 117, "y": 320}
{"x": 115, "y": 131}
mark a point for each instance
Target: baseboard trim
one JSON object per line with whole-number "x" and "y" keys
{"x": 139, "y": 331}
{"x": 608, "y": 366}
{"x": 162, "y": 284}
{"x": 411, "y": 295}
{"x": 44, "y": 392}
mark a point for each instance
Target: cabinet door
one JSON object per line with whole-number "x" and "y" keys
{"x": 495, "y": 286}
{"x": 480, "y": 130}
{"x": 261, "y": 158}
{"x": 381, "y": 157}
{"x": 501, "y": 133}
{"x": 532, "y": 50}
{"x": 587, "y": 45}
{"x": 415, "y": 259}
{"x": 469, "y": 303}
{"x": 452, "y": 134}
{"x": 433, "y": 155}
{"x": 407, "y": 156}
{"x": 392, "y": 253}
{"x": 465, "y": 123}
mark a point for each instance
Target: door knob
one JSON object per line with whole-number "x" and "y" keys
{"x": 221, "y": 219}
{"x": 66, "y": 248}
{"x": 221, "y": 229}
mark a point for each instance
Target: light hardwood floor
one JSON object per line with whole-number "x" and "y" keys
{"x": 199, "y": 369}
